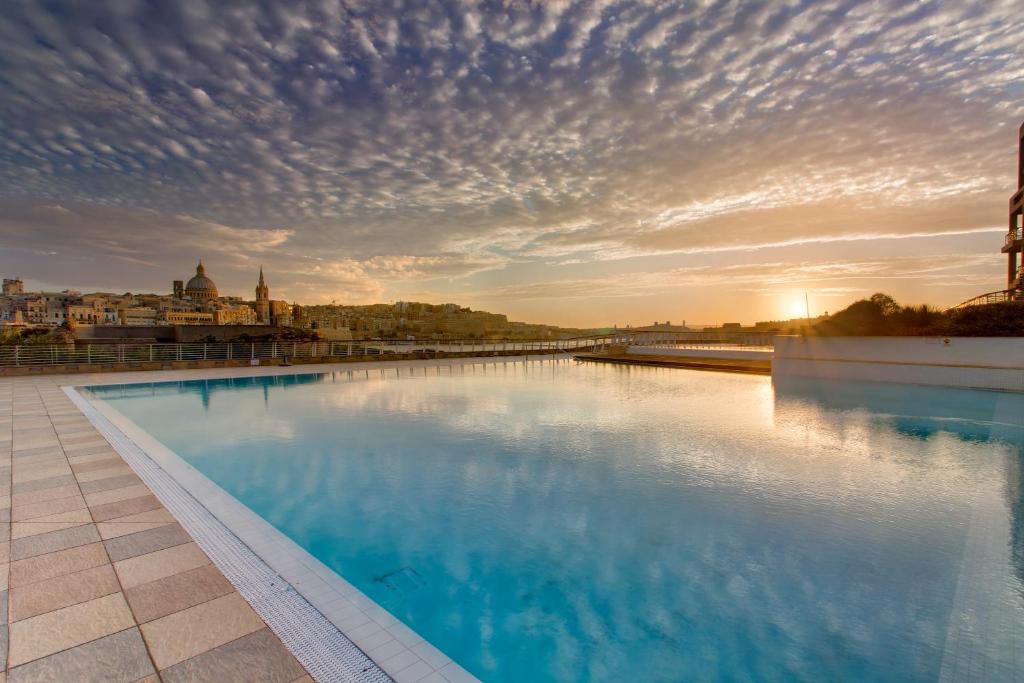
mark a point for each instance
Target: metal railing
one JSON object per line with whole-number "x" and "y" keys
{"x": 84, "y": 353}
{"x": 105, "y": 354}
{"x": 999, "y": 297}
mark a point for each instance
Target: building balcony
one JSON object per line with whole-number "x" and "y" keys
{"x": 1014, "y": 241}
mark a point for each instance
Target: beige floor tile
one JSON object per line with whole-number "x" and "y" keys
{"x": 185, "y": 634}
{"x": 51, "y": 542}
{"x": 54, "y": 456}
{"x": 55, "y": 631}
{"x": 29, "y": 422}
{"x": 33, "y": 528}
{"x": 110, "y": 531}
{"x": 39, "y": 472}
{"x": 91, "y": 457}
{"x": 130, "y": 524}
{"x": 117, "y": 658}
{"x": 146, "y": 542}
{"x": 85, "y": 442}
{"x": 79, "y": 515}
{"x": 23, "y": 513}
{"x": 105, "y": 473}
{"x": 42, "y": 495}
{"x": 259, "y": 656}
{"x": 123, "y": 508}
{"x": 115, "y": 495}
{"x": 5, "y": 571}
{"x": 157, "y": 599}
{"x": 112, "y": 460}
{"x": 46, "y": 596}
{"x": 110, "y": 483}
{"x": 44, "y": 567}
{"x": 145, "y": 568}
{"x": 24, "y": 444}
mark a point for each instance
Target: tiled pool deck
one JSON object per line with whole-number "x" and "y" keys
{"x": 100, "y": 582}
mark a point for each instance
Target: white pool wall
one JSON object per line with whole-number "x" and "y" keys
{"x": 968, "y": 362}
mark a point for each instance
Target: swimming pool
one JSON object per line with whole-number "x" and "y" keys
{"x": 547, "y": 521}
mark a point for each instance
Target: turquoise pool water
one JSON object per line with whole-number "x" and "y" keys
{"x": 547, "y": 521}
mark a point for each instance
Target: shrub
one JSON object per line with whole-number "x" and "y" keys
{"x": 992, "y": 320}
{"x": 882, "y": 316}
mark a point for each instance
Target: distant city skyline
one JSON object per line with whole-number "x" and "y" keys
{"x": 569, "y": 163}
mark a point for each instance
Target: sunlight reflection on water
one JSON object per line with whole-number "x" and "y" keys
{"x": 547, "y": 521}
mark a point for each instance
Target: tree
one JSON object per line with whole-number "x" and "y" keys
{"x": 862, "y": 317}
{"x": 886, "y": 304}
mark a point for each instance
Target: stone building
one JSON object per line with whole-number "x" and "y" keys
{"x": 13, "y": 286}
{"x": 280, "y": 313}
{"x": 201, "y": 288}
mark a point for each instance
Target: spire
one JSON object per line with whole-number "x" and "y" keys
{"x": 200, "y": 270}
{"x": 262, "y": 295}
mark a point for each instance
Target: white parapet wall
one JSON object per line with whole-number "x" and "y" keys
{"x": 971, "y": 362}
{"x": 707, "y": 352}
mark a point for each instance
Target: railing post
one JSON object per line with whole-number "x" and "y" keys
{"x": 253, "y": 351}
{"x": 88, "y": 354}
{"x": 17, "y": 354}
{"x": 204, "y": 351}
{"x": 150, "y": 353}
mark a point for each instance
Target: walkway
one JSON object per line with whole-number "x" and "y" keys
{"x": 104, "y": 584}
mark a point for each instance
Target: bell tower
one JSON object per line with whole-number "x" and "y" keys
{"x": 262, "y": 301}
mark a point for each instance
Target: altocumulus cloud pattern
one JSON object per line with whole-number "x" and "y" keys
{"x": 354, "y": 145}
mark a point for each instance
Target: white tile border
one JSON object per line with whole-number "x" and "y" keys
{"x": 388, "y": 643}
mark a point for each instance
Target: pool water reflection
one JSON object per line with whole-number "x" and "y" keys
{"x": 548, "y": 521}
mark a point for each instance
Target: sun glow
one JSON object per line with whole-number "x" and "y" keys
{"x": 795, "y": 308}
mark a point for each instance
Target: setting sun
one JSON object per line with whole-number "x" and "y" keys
{"x": 795, "y": 307}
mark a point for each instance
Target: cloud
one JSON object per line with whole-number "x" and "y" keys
{"x": 830, "y": 278}
{"x": 444, "y": 140}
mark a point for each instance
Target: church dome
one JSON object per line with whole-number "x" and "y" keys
{"x": 201, "y": 288}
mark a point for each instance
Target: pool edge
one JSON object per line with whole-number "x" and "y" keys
{"x": 322, "y": 619}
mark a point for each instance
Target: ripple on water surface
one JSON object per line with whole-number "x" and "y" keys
{"x": 545, "y": 521}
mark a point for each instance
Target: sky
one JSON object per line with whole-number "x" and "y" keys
{"x": 575, "y": 163}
